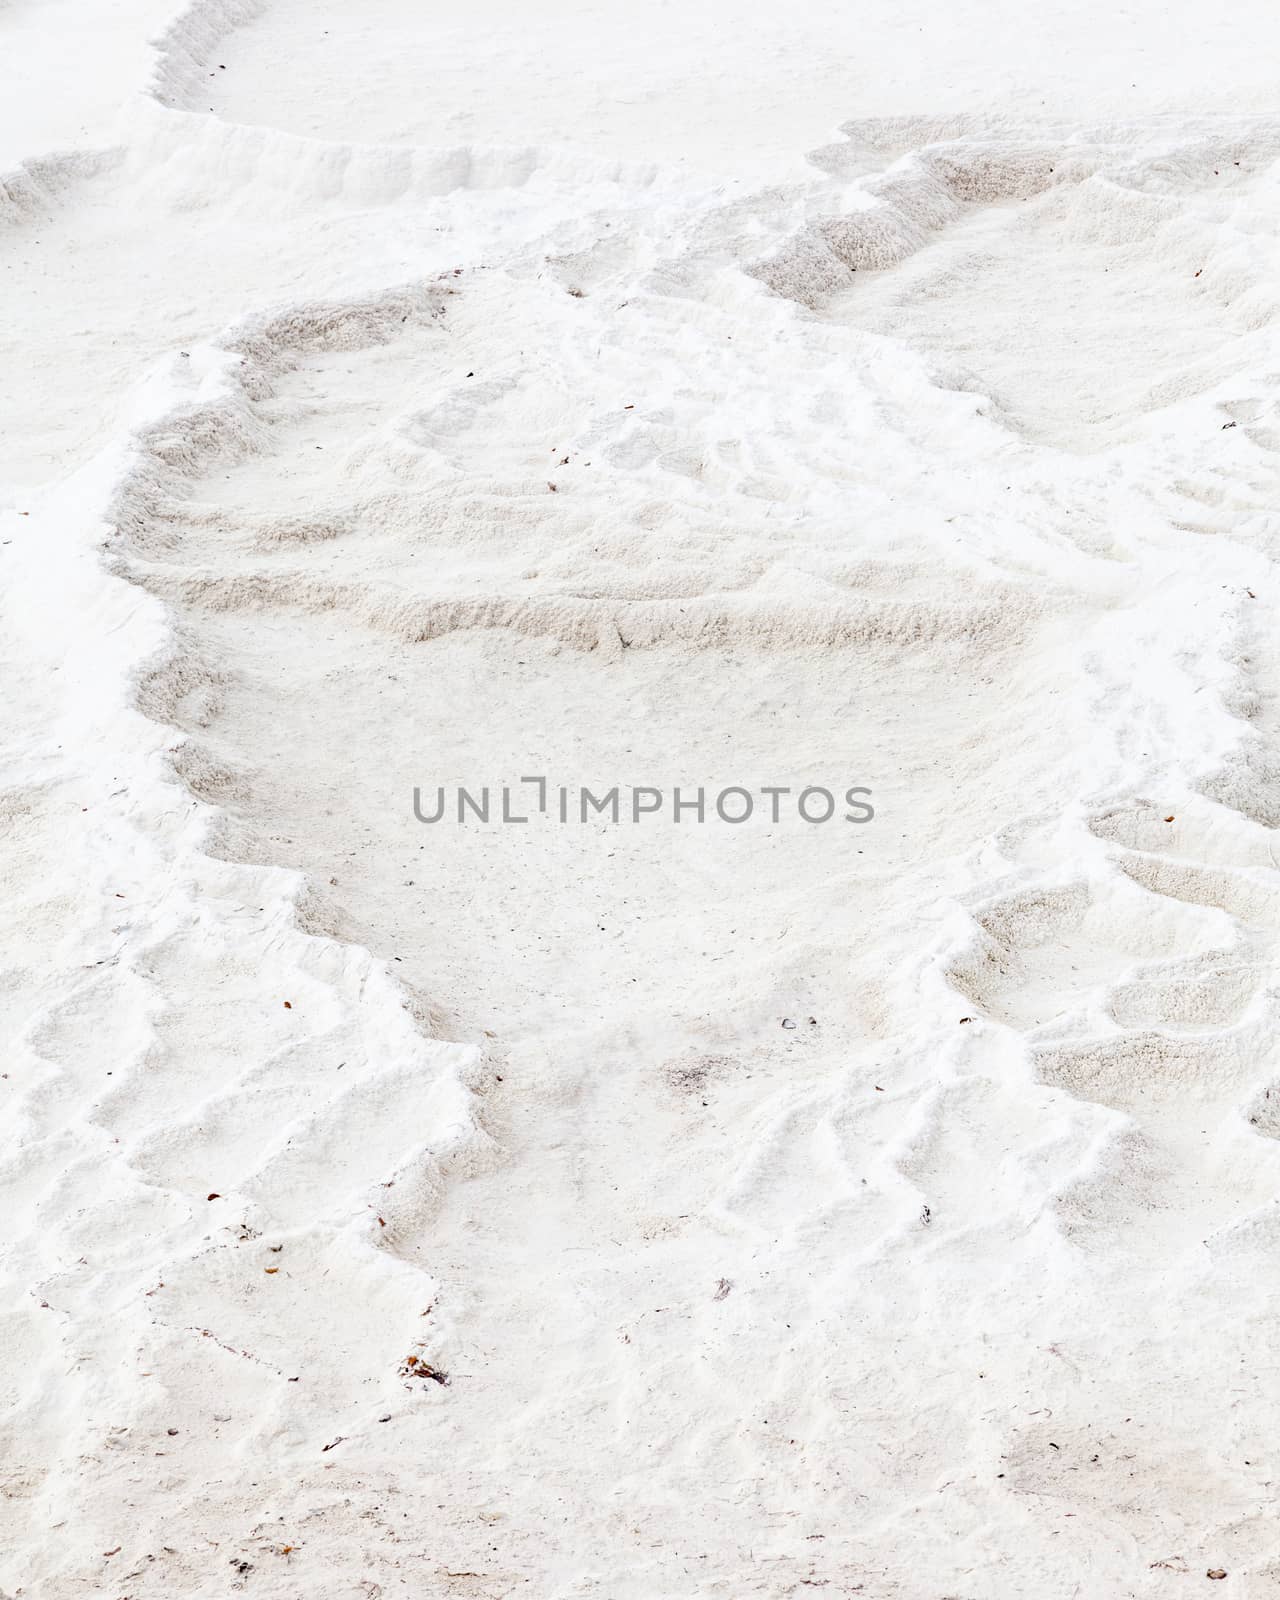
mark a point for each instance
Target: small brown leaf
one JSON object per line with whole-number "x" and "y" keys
{"x": 288, "y": 1005}
{"x": 1216, "y": 1572}
{"x": 416, "y": 1367}
{"x": 271, "y": 1271}
{"x": 215, "y": 1196}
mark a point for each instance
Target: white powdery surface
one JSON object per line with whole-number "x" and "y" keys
{"x": 638, "y": 396}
